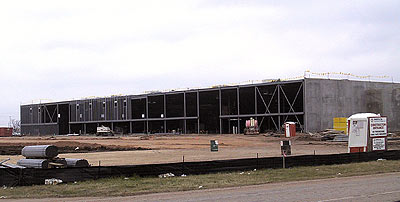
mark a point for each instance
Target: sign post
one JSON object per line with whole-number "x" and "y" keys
{"x": 377, "y": 133}
{"x": 214, "y": 145}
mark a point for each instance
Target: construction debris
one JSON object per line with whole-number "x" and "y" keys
{"x": 166, "y": 175}
{"x": 44, "y": 156}
{"x": 40, "y": 151}
{"x": 52, "y": 181}
{"x": 325, "y": 135}
{"x": 77, "y": 163}
{"x": 251, "y": 127}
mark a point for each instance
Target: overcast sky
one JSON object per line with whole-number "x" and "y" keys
{"x": 60, "y": 50}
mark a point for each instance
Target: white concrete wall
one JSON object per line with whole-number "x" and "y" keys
{"x": 326, "y": 99}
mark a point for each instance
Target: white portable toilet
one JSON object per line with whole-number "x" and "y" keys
{"x": 367, "y": 132}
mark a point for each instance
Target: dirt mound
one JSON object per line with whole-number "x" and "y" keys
{"x": 66, "y": 147}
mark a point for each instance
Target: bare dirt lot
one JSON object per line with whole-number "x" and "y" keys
{"x": 149, "y": 149}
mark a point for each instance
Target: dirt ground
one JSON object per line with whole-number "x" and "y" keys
{"x": 150, "y": 149}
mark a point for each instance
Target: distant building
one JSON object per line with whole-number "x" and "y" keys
{"x": 5, "y": 131}
{"x": 311, "y": 103}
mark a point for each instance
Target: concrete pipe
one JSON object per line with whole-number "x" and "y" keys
{"x": 77, "y": 163}
{"x": 40, "y": 151}
{"x": 33, "y": 163}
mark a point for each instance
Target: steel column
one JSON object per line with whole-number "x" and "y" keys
{"x": 115, "y": 117}
{"x": 69, "y": 117}
{"x": 238, "y": 108}
{"x": 220, "y": 110}
{"x": 184, "y": 112}
{"x": 147, "y": 114}
{"x": 84, "y": 111}
{"x": 304, "y": 105}
{"x": 198, "y": 112}
{"x": 279, "y": 107}
{"x": 126, "y": 116}
{"x": 105, "y": 108}
{"x": 58, "y": 124}
{"x": 165, "y": 115}
{"x": 255, "y": 100}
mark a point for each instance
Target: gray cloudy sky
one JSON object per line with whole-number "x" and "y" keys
{"x": 70, "y": 49}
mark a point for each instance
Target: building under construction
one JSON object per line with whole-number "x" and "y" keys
{"x": 311, "y": 103}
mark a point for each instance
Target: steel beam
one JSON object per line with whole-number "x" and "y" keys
{"x": 291, "y": 104}
{"x": 138, "y": 120}
{"x": 267, "y": 107}
{"x": 37, "y": 124}
{"x": 261, "y": 115}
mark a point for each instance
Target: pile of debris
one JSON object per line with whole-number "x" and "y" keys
{"x": 44, "y": 156}
{"x": 334, "y": 135}
{"x": 327, "y": 135}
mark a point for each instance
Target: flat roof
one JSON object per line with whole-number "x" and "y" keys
{"x": 248, "y": 83}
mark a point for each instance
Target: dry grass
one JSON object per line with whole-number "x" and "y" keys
{"x": 140, "y": 185}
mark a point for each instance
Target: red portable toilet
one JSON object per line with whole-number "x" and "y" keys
{"x": 290, "y": 129}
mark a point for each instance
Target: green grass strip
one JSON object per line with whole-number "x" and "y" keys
{"x": 134, "y": 185}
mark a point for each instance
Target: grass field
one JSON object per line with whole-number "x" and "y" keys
{"x": 141, "y": 185}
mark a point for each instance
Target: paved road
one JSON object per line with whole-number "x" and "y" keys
{"x": 383, "y": 187}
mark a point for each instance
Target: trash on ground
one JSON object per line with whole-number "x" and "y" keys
{"x": 52, "y": 181}
{"x": 166, "y": 175}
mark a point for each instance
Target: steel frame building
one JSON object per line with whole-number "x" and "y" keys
{"x": 311, "y": 103}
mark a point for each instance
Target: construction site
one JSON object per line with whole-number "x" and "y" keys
{"x": 305, "y": 118}
{"x": 161, "y": 127}
{"x": 310, "y": 103}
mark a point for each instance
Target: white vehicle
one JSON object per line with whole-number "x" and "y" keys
{"x": 104, "y": 131}
{"x": 18, "y": 134}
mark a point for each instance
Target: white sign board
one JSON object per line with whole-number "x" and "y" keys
{"x": 377, "y": 126}
{"x": 287, "y": 132}
{"x": 358, "y": 133}
{"x": 378, "y": 143}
